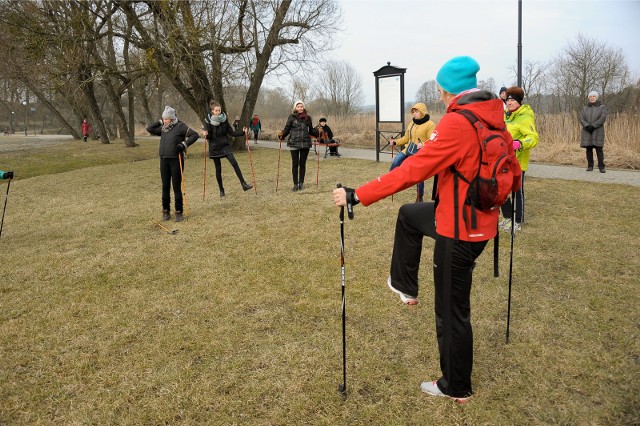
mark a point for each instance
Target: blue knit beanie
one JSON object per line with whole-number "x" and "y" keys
{"x": 458, "y": 74}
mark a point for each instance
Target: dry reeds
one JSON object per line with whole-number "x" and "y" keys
{"x": 559, "y": 137}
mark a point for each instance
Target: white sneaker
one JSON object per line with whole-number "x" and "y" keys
{"x": 507, "y": 226}
{"x": 432, "y": 389}
{"x": 406, "y": 299}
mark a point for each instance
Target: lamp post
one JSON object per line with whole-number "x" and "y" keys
{"x": 13, "y": 114}
{"x": 26, "y": 116}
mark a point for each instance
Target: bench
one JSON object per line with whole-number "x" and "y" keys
{"x": 326, "y": 146}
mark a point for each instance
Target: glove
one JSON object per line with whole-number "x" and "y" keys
{"x": 589, "y": 128}
{"x": 351, "y": 196}
{"x": 280, "y": 134}
{"x": 517, "y": 144}
{"x": 181, "y": 147}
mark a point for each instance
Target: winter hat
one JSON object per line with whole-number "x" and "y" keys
{"x": 169, "y": 113}
{"x": 593, "y": 93}
{"x": 458, "y": 74}
{"x": 298, "y": 102}
{"x": 502, "y": 89}
{"x": 515, "y": 93}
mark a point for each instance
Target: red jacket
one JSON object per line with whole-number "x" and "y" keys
{"x": 454, "y": 142}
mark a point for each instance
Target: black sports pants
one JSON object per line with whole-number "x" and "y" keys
{"x": 453, "y": 264}
{"x": 170, "y": 174}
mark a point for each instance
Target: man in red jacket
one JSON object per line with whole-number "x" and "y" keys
{"x": 454, "y": 142}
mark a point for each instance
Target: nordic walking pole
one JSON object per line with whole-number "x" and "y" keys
{"x": 392, "y": 149}
{"x": 184, "y": 192}
{"x": 278, "y": 173}
{"x": 164, "y": 228}
{"x": 343, "y": 387}
{"x": 318, "y": 170}
{"x": 204, "y": 178}
{"x": 246, "y": 141}
{"x": 513, "y": 219}
{"x": 6, "y": 197}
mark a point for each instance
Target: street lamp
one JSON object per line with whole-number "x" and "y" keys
{"x": 26, "y": 116}
{"x": 13, "y": 114}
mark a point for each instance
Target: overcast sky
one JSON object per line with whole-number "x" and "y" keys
{"x": 421, "y": 35}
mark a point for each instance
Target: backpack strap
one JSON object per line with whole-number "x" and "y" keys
{"x": 475, "y": 122}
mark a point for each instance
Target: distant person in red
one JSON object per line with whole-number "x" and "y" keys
{"x": 86, "y": 128}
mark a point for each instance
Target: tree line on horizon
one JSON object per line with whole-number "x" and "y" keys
{"x": 118, "y": 62}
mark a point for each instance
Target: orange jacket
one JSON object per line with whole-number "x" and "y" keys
{"x": 454, "y": 142}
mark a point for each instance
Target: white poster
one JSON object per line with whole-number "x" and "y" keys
{"x": 389, "y": 99}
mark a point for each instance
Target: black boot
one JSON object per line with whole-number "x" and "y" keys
{"x": 589, "y": 168}
{"x": 221, "y": 192}
{"x": 300, "y": 186}
{"x": 246, "y": 186}
{"x": 602, "y": 170}
{"x": 295, "y": 187}
{"x": 179, "y": 217}
{"x": 166, "y": 215}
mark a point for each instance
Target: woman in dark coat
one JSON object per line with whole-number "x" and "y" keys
{"x": 217, "y": 131}
{"x": 592, "y": 119}
{"x": 299, "y": 128}
{"x": 175, "y": 137}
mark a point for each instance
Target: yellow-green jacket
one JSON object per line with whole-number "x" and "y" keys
{"x": 418, "y": 130}
{"x": 521, "y": 123}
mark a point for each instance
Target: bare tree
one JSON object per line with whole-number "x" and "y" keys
{"x": 586, "y": 65}
{"x": 340, "y": 88}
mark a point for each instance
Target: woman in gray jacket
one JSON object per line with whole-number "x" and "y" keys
{"x": 300, "y": 128}
{"x": 592, "y": 119}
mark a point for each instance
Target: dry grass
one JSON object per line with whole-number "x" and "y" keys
{"x": 104, "y": 319}
{"x": 559, "y": 137}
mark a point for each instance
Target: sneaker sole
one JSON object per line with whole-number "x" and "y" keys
{"x": 406, "y": 300}
{"x": 459, "y": 400}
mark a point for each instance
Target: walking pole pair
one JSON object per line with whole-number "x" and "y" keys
{"x": 246, "y": 141}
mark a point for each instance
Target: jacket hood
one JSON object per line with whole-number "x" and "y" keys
{"x": 420, "y": 107}
{"x": 484, "y": 104}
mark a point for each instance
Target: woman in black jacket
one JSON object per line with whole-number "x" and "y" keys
{"x": 217, "y": 131}
{"x": 300, "y": 127}
{"x": 175, "y": 137}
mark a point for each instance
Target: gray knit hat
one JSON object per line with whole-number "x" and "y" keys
{"x": 169, "y": 113}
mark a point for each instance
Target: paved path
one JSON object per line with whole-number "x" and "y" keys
{"x": 548, "y": 171}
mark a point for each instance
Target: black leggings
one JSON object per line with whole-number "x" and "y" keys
{"x": 299, "y": 164}
{"x": 507, "y": 207}
{"x": 170, "y": 173}
{"x": 234, "y": 164}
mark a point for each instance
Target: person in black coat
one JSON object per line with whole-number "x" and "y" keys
{"x": 217, "y": 131}
{"x": 175, "y": 137}
{"x": 300, "y": 128}
{"x": 323, "y": 127}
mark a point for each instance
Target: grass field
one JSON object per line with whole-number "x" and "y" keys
{"x": 106, "y": 319}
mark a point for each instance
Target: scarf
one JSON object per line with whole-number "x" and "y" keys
{"x": 421, "y": 120}
{"x": 167, "y": 127}
{"x": 302, "y": 116}
{"x": 216, "y": 120}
